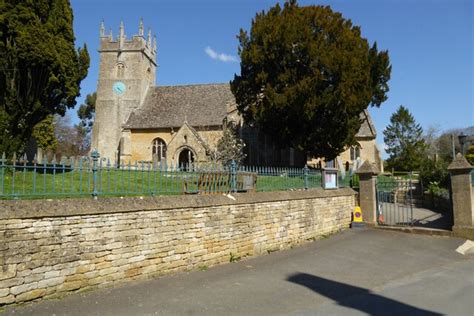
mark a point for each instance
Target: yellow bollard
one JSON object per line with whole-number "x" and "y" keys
{"x": 357, "y": 218}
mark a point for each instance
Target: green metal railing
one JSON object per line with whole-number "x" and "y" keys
{"x": 95, "y": 176}
{"x": 282, "y": 179}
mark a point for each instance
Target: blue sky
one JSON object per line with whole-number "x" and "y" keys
{"x": 430, "y": 44}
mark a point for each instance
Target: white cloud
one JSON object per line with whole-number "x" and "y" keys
{"x": 221, "y": 57}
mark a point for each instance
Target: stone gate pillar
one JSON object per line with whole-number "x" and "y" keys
{"x": 367, "y": 192}
{"x": 463, "y": 208}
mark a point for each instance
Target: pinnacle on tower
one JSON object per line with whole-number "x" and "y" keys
{"x": 122, "y": 30}
{"x": 102, "y": 29}
{"x": 154, "y": 44}
{"x": 141, "y": 30}
{"x": 149, "y": 38}
{"x": 121, "y": 38}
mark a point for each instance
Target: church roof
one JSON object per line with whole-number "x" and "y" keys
{"x": 199, "y": 105}
{"x": 367, "y": 129}
{"x": 170, "y": 106}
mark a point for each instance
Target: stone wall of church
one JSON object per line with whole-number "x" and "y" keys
{"x": 142, "y": 143}
{"x": 368, "y": 151}
{"x": 211, "y": 137}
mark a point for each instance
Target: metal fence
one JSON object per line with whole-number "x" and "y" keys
{"x": 95, "y": 176}
{"x": 395, "y": 200}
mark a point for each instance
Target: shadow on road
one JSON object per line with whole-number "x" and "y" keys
{"x": 356, "y": 297}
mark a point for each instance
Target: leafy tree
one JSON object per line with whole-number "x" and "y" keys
{"x": 86, "y": 112}
{"x": 470, "y": 154}
{"x": 40, "y": 68}
{"x": 306, "y": 75}
{"x": 43, "y": 132}
{"x": 404, "y": 139}
{"x": 431, "y": 137}
{"x": 445, "y": 144}
{"x": 434, "y": 171}
{"x": 82, "y": 140}
{"x": 72, "y": 139}
{"x": 229, "y": 147}
{"x": 440, "y": 145}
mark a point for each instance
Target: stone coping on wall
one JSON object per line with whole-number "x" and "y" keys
{"x": 22, "y": 209}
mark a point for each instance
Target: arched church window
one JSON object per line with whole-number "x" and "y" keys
{"x": 120, "y": 70}
{"x": 158, "y": 150}
{"x": 355, "y": 152}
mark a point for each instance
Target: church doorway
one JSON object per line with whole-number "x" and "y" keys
{"x": 185, "y": 159}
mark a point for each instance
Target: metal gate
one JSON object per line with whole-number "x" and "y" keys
{"x": 395, "y": 201}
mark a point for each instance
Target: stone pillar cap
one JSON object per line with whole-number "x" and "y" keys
{"x": 367, "y": 168}
{"x": 459, "y": 163}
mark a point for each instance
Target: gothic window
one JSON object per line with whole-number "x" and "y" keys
{"x": 120, "y": 70}
{"x": 159, "y": 149}
{"x": 355, "y": 152}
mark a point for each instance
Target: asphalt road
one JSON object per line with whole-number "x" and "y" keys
{"x": 360, "y": 272}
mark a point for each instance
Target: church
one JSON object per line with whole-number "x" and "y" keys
{"x": 138, "y": 121}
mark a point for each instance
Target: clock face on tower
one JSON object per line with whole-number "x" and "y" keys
{"x": 118, "y": 88}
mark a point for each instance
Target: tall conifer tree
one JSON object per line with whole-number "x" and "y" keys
{"x": 306, "y": 75}
{"x": 404, "y": 140}
{"x": 40, "y": 68}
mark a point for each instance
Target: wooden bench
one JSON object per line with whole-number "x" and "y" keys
{"x": 218, "y": 182}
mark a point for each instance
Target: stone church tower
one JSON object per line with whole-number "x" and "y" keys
{"x": 127, "y": 70}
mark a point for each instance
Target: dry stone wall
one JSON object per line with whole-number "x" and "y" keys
{"x": 51, "y": 247}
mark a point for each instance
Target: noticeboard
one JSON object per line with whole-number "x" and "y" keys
{"x": 330, "y": 179}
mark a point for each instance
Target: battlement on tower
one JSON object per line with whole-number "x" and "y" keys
{"x": 138, "y": 42}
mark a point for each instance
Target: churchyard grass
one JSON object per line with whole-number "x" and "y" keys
{"x": 28, "y": 181}
{"x": 66, "y": 182}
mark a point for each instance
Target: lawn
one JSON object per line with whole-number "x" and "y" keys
{"x": 62, "y": 181}
{"x": 284, "y": 182}
{"x": 48, "y": 182}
